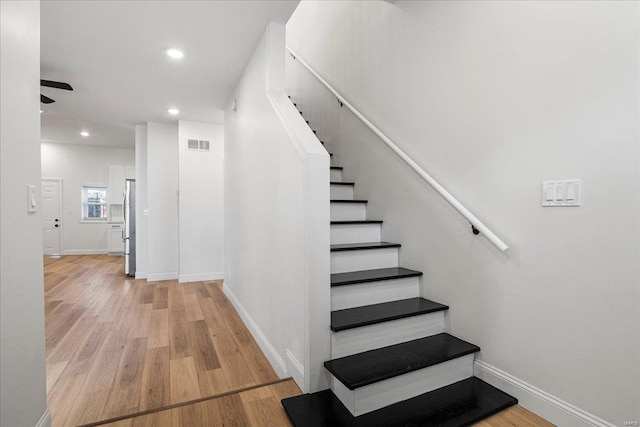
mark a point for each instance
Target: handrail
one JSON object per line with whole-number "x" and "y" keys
{"x": 476, "y": 225}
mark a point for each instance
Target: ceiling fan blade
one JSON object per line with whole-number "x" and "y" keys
{"x": 57, "y": 85}
{"x": 46, "y": 99}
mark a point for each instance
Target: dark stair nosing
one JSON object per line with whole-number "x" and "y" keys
{"x": 342, "y": 183}
{"x": 460, "y": 404}
{"x": 357, "y": 221}
{"x": 348, "y": 201}
{"x": 350, "y": 318}
{"x": 375, "y": 275}
{"x": 369, "y": 367}
{"x": 363, "y": 246}
{"x": 336, "y": 167}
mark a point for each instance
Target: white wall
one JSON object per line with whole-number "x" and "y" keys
{"x": 201, "y": 202}
{"x": 277, "y": 219}
{"x": 22, "y": 346}
{"x": 142, "y": 232}
{"x": 493, "y": 98}
{"x": 79, "y": 165}
{"x": 162, "y": 201}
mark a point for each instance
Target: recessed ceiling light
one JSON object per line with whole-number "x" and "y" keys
{"x": 85, "y": 133}
{"x": 174, "y": 53}
{"x": 173, "y": 111}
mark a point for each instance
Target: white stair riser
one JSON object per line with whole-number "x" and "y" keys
{"x": 355, "y": 233}
{"x": 343, "y": 261}
{"x": 335, "y": 175}
{"x": 341, "y": 192}
{"x": 365, "y": 338}
{"x": 348, "y": 211}
{"x": 360, "y": 294}
{"x": 378, "y": 395}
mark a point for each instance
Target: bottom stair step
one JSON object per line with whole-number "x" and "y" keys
{"x": 460, "y": 404}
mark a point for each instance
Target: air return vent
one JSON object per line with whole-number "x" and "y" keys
{"x": 194, "y": 144}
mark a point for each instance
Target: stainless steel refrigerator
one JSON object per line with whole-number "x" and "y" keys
{"x": 130, "y": 228}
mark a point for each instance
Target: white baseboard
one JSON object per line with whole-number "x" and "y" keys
{"x": 155, "y": 277}
{"x": 84, "y": 252}
{"x": 45, "y": 419}
{"x": 183, "y": 278}
{"x": 547, "y": 406}
{"x": 141, "y": 275}
{"x": 272, "y": 355}
{"x": 295, "y": 369}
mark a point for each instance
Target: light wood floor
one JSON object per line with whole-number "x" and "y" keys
{"x": 118, "y": 346}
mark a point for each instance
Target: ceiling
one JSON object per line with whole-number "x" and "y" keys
{"x": 113, "y": 54}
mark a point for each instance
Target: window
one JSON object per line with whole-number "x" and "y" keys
{"x": 94, "y": 203}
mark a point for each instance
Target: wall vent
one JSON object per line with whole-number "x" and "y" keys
{"x": 194, "y": 144}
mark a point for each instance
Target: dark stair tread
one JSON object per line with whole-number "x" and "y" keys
{"x": 356, "y": 317}
{"x": 348, "y": 201}
{"x": 372, "y": 366}
{"x": 336, "y": 167}
{"x": 363, "y": 246}
{"x": 357, "y": 221}
{"x": 460, "y": 404}
{"x": 341, "y": 183}
{"x": 364, "y": 276}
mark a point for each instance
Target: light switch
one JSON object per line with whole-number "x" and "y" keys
{"x": 561, "y": 193}
{"x": 550, "y": 194}
{"x": 31, "y": 198}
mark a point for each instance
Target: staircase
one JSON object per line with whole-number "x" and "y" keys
{"x": 392, "y": 363}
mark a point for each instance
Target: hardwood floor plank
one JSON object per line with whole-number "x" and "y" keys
{"x": 157, "y": 419}
{"x": 285, "y": 389}
{"x": 160, "y": 298}
{"x": 88, "y": 407}
{"x": 68, "y": 345}
{"x": 256, "y": 394}
{"x": 211, "y": 313}
{"x": 62, "y": 397}
{"x": 57, "y": 328}
{"x": 155, "y": 386}
{"x": 104, "y": 368}
{"x": 266, "y": 413}
{"x": 202, "y": 348}
{"x": 213, "y": 382}
{"x": 158, "y": 329}
{"x": 140, "y": 322}
{"x": 235, "y": 369}
{"x": 84, "y": 358}
{"x": 192, "y": 307}
{"x": 226, "y": 411}
{"x": 178, "y": 334}
{"x": 184, "y": 380}
{"x": 53, "y": 372}
{"x": 125, "y": 392}
{"x": 148, "y": 291}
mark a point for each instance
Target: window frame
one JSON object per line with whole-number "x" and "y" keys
{"x": 84, "y": 203}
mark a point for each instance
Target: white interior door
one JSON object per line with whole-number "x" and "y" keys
{"x": 51, "y": 216}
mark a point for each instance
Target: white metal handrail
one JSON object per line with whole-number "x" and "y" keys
{"x": 476, "y": 224}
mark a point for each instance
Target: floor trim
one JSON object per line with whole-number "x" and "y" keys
{"x": 265, "y": 345}
{"x": 543, "y": 404}
{"x": 189, "y": 402}
{"x": 45, "y": 419}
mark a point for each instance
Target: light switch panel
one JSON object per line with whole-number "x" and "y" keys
{"x": 561, "y": 193}
{"x": 31, "y": 198}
